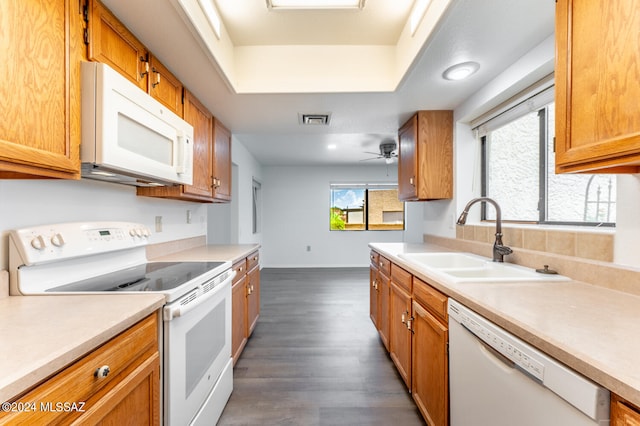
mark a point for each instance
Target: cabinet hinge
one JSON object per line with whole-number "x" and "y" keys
{"x": 85, "y": 36}
{"x": 84, "y": 8}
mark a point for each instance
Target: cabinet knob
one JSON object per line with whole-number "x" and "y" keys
{"x": 102, "y": 372}
{"x": 157, "y": 73}
{"x": 411, "y": 180}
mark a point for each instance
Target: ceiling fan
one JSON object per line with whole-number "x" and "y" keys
{"x": 387, "y": 151}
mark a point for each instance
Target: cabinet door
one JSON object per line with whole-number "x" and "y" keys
{"x": 384, "y": 289}
{"x": 238, "y": 317}
{"x": 253, "y": 299}
{"x": 39, "y": 89}
{"x": 425, "y": 159}
{"x": 430, "y": 366}
{"x": 164, "y": 86}
{"x": 373, "y": 295}
{"x": 221, "y": 162}
{"x": 408, "y": 160}
{"x": 622, "y": 413}
{"x": 400, "y": 334}
{"x": 112, "y": 43}
{"x": 597, "y": 90}
{"x": 202, "y": 121}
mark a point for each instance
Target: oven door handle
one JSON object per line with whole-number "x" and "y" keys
{"x": 177, "y": 310}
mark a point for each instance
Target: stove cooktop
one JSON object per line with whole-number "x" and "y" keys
{"x": 153, "y": 276}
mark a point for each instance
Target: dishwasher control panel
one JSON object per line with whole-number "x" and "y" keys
{"x": 516, "y": 352}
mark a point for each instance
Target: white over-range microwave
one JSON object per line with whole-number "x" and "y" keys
{"x": 127, "y": 136}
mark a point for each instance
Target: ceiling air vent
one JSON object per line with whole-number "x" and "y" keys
{"x": 314, "y": 119}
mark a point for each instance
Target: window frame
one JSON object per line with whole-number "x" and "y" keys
{"x": 366, "y": 187}
{"x": 543, "y": 170}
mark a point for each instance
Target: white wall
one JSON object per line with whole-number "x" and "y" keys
{"x": 296, "y": 215}
{"x": 440, "y": 216}
{"x": 627, "y": 221}
{"x": 233, "y": 223}
{"x": 25, "y": 203}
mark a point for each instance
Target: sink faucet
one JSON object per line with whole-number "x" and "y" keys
{"x": 499, "y": 249}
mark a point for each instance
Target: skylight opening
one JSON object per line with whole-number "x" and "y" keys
{"x": 417, "y": 13}
{"x": 212, "y": 16}
{"x": 315, "y": 4}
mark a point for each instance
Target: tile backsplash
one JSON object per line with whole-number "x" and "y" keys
{"x": 586, "y": 244}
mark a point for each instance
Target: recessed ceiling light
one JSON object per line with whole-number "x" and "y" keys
{"x": 461, "y": 71}
{"x": 417, "y": 13}
{"x": 212, "y": 15}
{"x": 332, "y": 146}
{"x": 315, "y": 4}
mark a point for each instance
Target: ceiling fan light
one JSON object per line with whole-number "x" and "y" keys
{"x": 460, "y": 71}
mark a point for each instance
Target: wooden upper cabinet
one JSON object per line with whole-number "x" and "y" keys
{"x": 597, "y": 90}
{"x": 112, "y": 43}
{"x": 202, "y": 187}
{"x": 425, "y": 158}
{"x": 164, "y": 86}
{"x": 41, "y": 47}
{"x": 221, "y": 162}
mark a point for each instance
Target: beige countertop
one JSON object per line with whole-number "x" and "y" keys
{"x": 592, "y": 329}
{"x": 212, "y": 252}
{"x": 39, "y": 335}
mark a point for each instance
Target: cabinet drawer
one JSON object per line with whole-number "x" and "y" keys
{"x": 384, "y": 265}
{"x": 374, "y": 256}
{"x": 430, "y": 298}
{"x": 253, "y": 260}
{"x": 401, "y": 278}
{"x": 241, "y": 269}
{"x": 78, "y": 382}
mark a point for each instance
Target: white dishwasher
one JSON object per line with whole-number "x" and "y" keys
{"x": 496, "y": 379}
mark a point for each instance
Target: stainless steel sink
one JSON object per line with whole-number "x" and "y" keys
{"x": 466, "y": 267}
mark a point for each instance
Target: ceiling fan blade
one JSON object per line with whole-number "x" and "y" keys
{"x": 369, "y": 159}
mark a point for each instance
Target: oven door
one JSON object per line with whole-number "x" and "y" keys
{"x": 197, "y": 347}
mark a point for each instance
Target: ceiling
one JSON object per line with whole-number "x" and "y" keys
{"x": 494, "y": 33}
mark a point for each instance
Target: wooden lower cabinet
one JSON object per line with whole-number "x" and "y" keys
{"x": 373, "y": 295}
{"x": 411, "y": 318}
{"x": 400, "y": 338}
{"x": 430, "y": 366}
{"x": 623, "y": 413}
{"x": 238, "y": 310}
{"x": 128, "y": 394}
{"x": 253, "y": 298}
{"x": 245, "y": 302}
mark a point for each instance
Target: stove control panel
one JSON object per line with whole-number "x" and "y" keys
{"x": 45, "y": 243}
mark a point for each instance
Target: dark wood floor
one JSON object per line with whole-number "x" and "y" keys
{"x": 315, "y": 357}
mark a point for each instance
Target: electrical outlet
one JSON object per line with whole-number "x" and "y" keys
{"x": 158, "y": 223}
{"x": 188, "y": 216}
{"x": 308, "y": 248}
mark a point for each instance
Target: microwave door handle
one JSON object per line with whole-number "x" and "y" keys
{"x": 181, "y": 154}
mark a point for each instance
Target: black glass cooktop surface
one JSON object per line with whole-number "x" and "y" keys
{"x": 153, "y": 276}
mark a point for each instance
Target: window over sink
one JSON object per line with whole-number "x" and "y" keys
{"x": 365, "y": 207}
{"x": 518, "y": 170}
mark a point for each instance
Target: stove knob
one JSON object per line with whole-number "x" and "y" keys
{"x": 132, "y": 232}
{"x": 38, "y": 243}
{"x": 138, "y": 232}
{"x": 57, "y": 240}
{"x": 145, "y": 232}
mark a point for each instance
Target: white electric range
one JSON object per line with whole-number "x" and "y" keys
{"x": 110, "y": 257}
